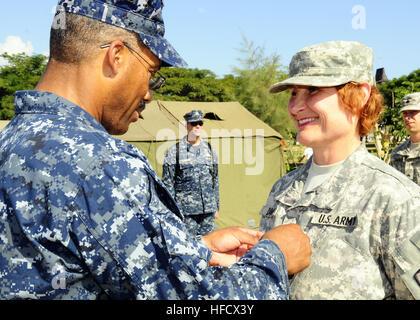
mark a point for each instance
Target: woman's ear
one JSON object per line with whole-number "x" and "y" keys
{"x": 366, "y": 89}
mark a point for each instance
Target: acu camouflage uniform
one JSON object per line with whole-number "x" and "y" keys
{"x": 84, "y": 216}
{"x": 406, "y": 157}
{"x": 364, "y": 226}
{"x": 193, "y": 182}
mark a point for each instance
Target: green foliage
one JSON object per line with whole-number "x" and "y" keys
{"x": 193, "y": 85}
{"x": 393, "y": 92}
{"x": 249, "y": 86}
{"x": 390, "y": 130}
{"x": 21, "y": 73}
{"x": 254, "y": 77}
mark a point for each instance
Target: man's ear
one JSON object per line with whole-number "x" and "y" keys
{"x": 114, "y": 58}
{"x": 366, "y": 89}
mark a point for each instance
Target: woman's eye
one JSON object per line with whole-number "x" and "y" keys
{"x": 313, "y": 89}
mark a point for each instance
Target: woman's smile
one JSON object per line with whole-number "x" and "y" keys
{"x": 306, "y": 121}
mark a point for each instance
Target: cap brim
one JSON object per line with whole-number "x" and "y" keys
{"x": 317, "y": 81}
{"x": 162, "y": 49}
{"x": 410, "y": 108}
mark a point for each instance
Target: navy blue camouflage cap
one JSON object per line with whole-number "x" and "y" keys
{"x": 193, "y": 116}
{"x": 143, "y": 17}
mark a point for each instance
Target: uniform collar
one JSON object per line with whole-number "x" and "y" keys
{"x": 322, "y": 197}
{"x": 405, "y": 149}
{"x": 189, "y": 146}
{"x": 42, "y": 102}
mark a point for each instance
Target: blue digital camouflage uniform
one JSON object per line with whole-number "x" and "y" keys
{"x": 84, "y": 216}
{"x": 195, "y": 186}
{"x": 364, "y": 226}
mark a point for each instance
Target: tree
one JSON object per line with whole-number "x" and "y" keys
{"x": 257, "y": 72}
{"x": 393, "y": 92}
{"x": 21, "y": 73}
{"x": 390, "y": 130}
{"x": 193, "y": 85}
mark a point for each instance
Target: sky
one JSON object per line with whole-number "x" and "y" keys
{"x": 209, "y": 33}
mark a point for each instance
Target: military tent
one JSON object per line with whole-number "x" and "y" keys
{"x": 249, "y": 151}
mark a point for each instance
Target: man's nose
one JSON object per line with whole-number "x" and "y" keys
{"x": 148, "y": 97}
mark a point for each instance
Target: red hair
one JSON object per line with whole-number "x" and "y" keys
{"x": 352, "y": 96}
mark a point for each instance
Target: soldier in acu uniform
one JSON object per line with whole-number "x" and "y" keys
{"x": 190, "y": 172}
{"x": 362, "y": 215}
{"x": 82, "y": 214}
{"x": 406, "y": 157}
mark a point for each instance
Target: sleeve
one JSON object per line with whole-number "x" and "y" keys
{"x": 392, "y": 159}
{"x": 271, "y": 213}
{"x": 401, "y": 241}
{"x": 168, "y": 173}
{"x": 142, "y": 243}
{"x": 261, "y": 274}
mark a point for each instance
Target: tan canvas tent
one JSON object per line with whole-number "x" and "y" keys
{"x": 249, "y": 152}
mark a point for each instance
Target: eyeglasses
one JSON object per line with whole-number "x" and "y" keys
{"x": 196, "y": 123}
{"x": 155, "y": 82}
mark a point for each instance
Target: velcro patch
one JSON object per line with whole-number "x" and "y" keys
{"x": 417, "y": 277}
{"x": 334, "y": 220}
{"x": 416, "y": 240}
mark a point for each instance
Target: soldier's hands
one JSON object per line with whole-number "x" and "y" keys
{"x": 230, "y": 244}
{"x": 294, "y": 244}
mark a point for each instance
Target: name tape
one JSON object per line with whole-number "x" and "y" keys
{"x": 334, "y": 220}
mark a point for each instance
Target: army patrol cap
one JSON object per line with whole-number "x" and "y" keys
{"x": 143, "y": 17}
{"x": 329, "y": 64}
{"x": 411, "y": 102}
{"x": 193, "y": 116}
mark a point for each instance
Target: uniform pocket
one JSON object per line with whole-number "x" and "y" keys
{"x": 186, "y": 174}
{"x": 338, "y": 271}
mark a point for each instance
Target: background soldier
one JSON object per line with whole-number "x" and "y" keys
{"x": 406, "y": 156}
{"x": 190, "y": 172}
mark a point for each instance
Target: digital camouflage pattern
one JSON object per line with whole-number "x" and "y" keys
{"x": 196, "y": 186}
{"x": 364, "y": 226}
{"x": 406, "y": 158}
{"x": 143, "y": 17}
{"x": 193, "y": 116}
{"x": 410, "y": 102}
{"x": 84, "y": 216}
{"x": 329, "y": 64}
{"x": 200, "y": 224}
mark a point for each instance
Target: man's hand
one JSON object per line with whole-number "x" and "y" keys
{"x": 294, "y": 244}
{"x": 230, "y": 244}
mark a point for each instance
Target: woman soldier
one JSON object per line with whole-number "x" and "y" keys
{"x": 361, "y": 215}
